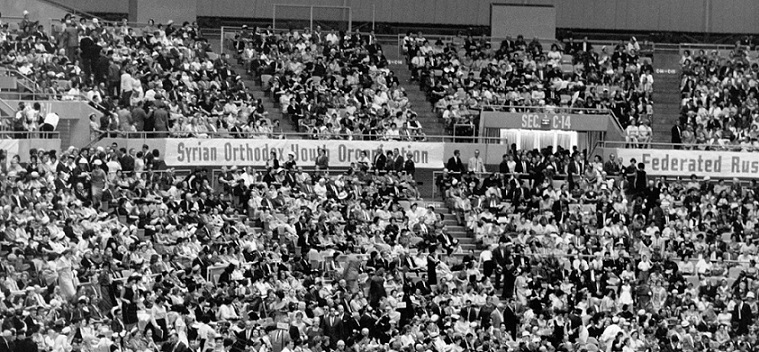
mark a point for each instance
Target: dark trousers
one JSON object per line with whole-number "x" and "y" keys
{"x": 46, "y": 127}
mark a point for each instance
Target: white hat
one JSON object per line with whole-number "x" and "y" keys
{"x": 685, "y": 324}
{"x": 98, "y": 162}
{"x": 750, "y": 295}
{"x": 95, "y": 20}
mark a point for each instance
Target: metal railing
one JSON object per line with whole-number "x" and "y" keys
{"x": 41, "y": 96}
{"x": 298, "y": 135}
{"x": 73, "y": 10}
{"x": 29, "y": 135}
{"x": 24, "y": 80}
{"x": 684, "y": 146}
{"x": 546, "y": 109}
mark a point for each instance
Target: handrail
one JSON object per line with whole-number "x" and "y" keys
{"x": 28, "y": 134}
{"x": 18, "y": 73}
{"x": 299, "y": 135}
{"x": 684, "y": 146}
{"x": 12, "y": 109}
{"x": 544, "y": 109}
{"x": 72, "y": 9}
{"x": 57, "y": 96}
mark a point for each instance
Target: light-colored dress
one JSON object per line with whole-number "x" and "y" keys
{"x": 625, "y": 295}
{"x": 66, "y": 277}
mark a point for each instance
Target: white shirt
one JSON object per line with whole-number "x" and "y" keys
{"x": 476, "y": 164}
{"x": 126, "y": 82}
{"x": 52, "y": 119}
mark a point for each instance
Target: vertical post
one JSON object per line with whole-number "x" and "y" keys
{"x": 400, "y": 47}
{"x": 221, "y": 45}
{"x": 311, "y": 17}
{"x": 374, "y": 15}
{"x": 707, "y": 18}
{"x": 274, "y": 18}
{"x": 433, "y": 184}
{"x": 350, "y": 19}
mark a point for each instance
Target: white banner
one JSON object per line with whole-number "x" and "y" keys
{"x": 185, "y": 152}
{"x": 689, "y": 162}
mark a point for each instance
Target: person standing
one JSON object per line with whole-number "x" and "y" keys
{"x": 98, "y": 183}
{"x": 454, "y": 164}
{"x": 677, "y": 134}
{"x": 160, "y": 118}
{"x": 743, "y": 315}
{"x": 49, "y": 124}
{"x": 71, "y": 40}
{"x": 476, "y": 164}
{"x": 322, "y": 161}
{"x": 126, "y": 88}
{"x": 409, "y": 166}
{"x": 640, "y": 179}
{"x": 501, "y": 257}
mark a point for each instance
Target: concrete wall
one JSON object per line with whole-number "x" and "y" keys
{"x": 38, "y": 10}
{"x": 163, "y": 10}
{"x": 513, "y": 20}
{"x": 7, "y": 82}
{"x": 24, "y": 145}
{"x": 734, "y": 16}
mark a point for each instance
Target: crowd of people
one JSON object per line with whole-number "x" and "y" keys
{"x": 719, "y": 103}
{"x": 109, "y": 249}
{"x": 331, "y": 85}
{"x": 162, "y": 81}
{"x": 468, "y": 73}
{"x": 612, "y": 259}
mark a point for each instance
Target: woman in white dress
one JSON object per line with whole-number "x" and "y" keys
{"x": 658, "y": 296}
{"x": 66, "y": 275}
{"x": 521, "y": 289}
{"x": 625, "y": 295}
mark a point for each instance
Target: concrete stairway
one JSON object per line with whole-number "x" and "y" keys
{"x": 666, "y": 94}
{"x": 460, "y": 233}
{"x": 432, "y": 125}
{"x": 256, "y": 89}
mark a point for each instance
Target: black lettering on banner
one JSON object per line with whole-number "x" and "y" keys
{"x": 342, "y": 153}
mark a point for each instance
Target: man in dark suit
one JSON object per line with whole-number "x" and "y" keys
{"x": 677, "y": 133}
{"x": 575, "y": 170}
{"x": 400, "y": 162}
{"x": 454, "y": 164}
{"x": 511, "y": 318}
{"x": 504, "y": 166}
{"x": 174, "y": 344}
{"x": 352, "y": 326}
{"x": 743, "y": 315}
{"x": 6, "y": 344}
{"x": 469, "y": 313}
{"x": 640, "y": 179}
{"x": 245, "y": 337}
{"x": 501, "y": 258}
{"x": 333, "y": 327}
{"x": 423, "y": 286}
{"x": 379, "y": 160}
